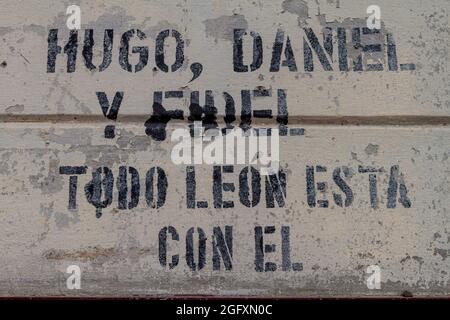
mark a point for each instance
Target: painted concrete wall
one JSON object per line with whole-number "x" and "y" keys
{"x": 365, "y": 157}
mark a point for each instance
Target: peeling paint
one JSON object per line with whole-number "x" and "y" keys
{"x": 222, "y": 27}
